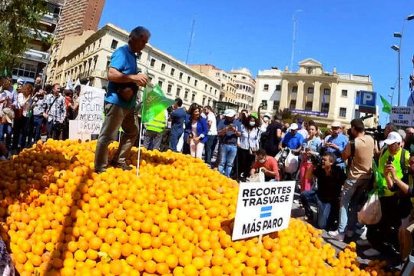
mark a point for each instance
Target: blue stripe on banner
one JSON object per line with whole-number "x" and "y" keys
{"x": 266, "y": 208}
{"x": 265, "y": 215}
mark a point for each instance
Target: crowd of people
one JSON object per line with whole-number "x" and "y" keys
{"x": 28, "y": 111}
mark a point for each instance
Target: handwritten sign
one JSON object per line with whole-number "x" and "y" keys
{"x": 402, "y": 116}
{"x": 91, "y": 109}
{"x": 262, "y": 208}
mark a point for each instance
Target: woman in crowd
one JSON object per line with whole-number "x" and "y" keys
{"x": 310, "y": 151}
{"x": 25, "y": 99}
{"x": 38, "y": 108}
{"x": 248, "y": 145}
{"x": 196, "y": 132}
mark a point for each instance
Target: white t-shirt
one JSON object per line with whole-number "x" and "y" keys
{"x": 213, "y": 127}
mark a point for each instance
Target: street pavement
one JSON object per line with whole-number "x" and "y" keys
{"x": 362, "y": 243}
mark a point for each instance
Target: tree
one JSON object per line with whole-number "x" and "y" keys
{"x": 19, "y": 21}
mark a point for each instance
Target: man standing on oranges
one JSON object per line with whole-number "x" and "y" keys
{"x": 124, "y": 80}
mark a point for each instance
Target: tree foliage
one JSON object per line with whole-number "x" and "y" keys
{"x": 19, "y": 21}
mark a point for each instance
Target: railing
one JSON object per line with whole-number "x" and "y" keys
{"x": 352, "y": 77}
{"x": 36, "y": 55}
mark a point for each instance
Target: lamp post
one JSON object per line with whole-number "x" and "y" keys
{"x": 397, "y": 48}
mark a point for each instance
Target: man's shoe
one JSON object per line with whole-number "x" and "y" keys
{"x": 371, "y": 252}
{"x": 123, "y": 166}
{"x": 336, "y": 235}
{"x": 100, "y": 170}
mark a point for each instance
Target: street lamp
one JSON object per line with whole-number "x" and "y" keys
{"x": 398, "y": 50}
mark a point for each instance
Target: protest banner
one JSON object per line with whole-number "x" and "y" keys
{"x": 91, "y": 113}
{"x": 402, "y": 116}
{"x": 262, "y": 208}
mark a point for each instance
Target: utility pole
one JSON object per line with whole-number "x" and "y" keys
{"x": 292, "y": 56}
{"x": 191, "y": 41}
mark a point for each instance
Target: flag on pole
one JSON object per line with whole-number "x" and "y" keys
{"x": 386, "y": 106}
{"x": 154, "y": 102}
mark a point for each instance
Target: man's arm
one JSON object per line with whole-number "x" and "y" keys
{"x": 347, "y": 152}
{"x": 116, "y": 76}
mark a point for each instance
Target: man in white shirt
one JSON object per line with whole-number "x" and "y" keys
{"x": 211, "y": 135}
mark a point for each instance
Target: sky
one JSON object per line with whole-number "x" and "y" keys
{"x": 355, "y": 36}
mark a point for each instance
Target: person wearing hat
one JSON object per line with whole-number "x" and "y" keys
{"x": 265, "y": 122}
{"x": 384, "y": 235}
{"x": 229, "y": 129}
{"x": 336, "y": 143}
{"x": 292, "y": 139}
{"x": 302, "y": 127}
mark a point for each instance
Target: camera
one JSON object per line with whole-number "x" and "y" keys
{"x": 377, "y": 133}
{"x": 390, "y": 160}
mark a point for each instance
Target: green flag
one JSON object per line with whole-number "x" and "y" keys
{"x": 153, "y": 103}
{"x": 386, "y": 108}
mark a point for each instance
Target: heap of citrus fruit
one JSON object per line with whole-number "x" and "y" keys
{"x": 61, "y": 218}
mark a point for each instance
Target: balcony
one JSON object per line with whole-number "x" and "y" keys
{"x": 36, "y": 55}
{"x": 49, "y": 19}
{"x": 93, "y": 74}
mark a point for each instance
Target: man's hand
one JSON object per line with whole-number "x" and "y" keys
{"x": 389, "y": 169}
{"x": 332, "y": 145}
{"x": 140, "y": 79}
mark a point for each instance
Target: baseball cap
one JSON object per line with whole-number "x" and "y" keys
{"x": 267, "y": 115}
{"x": 393, "y": 137}
{"x": 20, "y": 81}
{"x": 293, "y": 126}
{"x": 230, "y": 113}
{"x": 336, "y": 124}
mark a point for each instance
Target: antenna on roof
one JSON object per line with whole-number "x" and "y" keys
{"x": 191, "y": 40}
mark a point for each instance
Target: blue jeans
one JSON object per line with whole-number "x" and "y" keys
{"x": 228, "y": 154}
{"x": 174, "y": 137}
{"x": 6, "y": 129}
{"x": 324, "y": 209}
{"x": 37, "y": 127}
{"x": 209, "y": 147}
{"x": 351, "y": 193}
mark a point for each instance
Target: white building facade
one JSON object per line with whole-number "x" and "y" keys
{"x": 245, "y": 88}
{"x": 312, "y": 93}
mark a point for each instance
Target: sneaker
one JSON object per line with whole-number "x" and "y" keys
{"x": 124, "y": 167}
{"x": 371, "y": 252}
{"x": 336, "y": 235}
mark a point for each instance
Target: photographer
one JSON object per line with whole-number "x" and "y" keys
{"x": 229, "y": 129}
{"x": 330, "y": 180}
{"x": 38, "y": 107}
{"x": 55, "y": 112}
{"x": 359, "y": 152}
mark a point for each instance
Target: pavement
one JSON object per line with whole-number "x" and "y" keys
{"x": 394, "y": 263}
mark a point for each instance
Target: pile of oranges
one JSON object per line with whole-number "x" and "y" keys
{"x": 61, "y": 218}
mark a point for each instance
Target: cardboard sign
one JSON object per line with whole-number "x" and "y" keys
{"x": 262, "y": 208}
{"x": 91, "y": 110}
{"x": 402, "y": 116}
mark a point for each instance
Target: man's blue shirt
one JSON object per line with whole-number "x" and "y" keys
{"x": 125, "y": 61}
{"x": 341, "y": 141}
{"x": 293, "y": 141}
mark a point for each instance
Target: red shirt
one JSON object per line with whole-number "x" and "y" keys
{"x": 270, "y": 164}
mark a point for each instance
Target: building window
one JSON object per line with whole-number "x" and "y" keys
{"x": 172, "y": 71}
{"x": 160, "y": 83}
{"x": 193, "y": 97}
{"x": 195, "y": 83}
{"x": 204, "y": 101}
{"x": 169, "y": 88}
{"x": 266, "y": 87}
{"x": 310, "y": 90}
{"x": 215, "y": 92}
{"x": 309, "y": 70}
{"x": 344, "y": 93}
{"x": 327, "y": 91}
{"x": 114, "y": 44}
{"x": 325, "y": 107}
{"x": 152, "y": 62}
{"x": 180, "y": 76}
{"x": 264, "y": 104}
{"x": 205, "y": 87}
{"x": 178, "y": 92}
{"x": 278, "y": 87}
{"x": 186, "y": 94}
{"x": 294, "y": 89}
{"x": 342, "y": 112}
{"x": 162, "y": 67}
{"x": 308, "y": 106}
{"x": 292, "y": 104}
{"x": 276, "y": 105}
{"x": 188, "y": 79}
